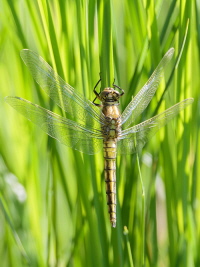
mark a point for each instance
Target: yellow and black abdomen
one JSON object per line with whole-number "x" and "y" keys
{"x": 111, "y": 131}
{"x": 110, "y": 178}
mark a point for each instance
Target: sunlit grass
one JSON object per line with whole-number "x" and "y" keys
{"x": 53, "y": 198}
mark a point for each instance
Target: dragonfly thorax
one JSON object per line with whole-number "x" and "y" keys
{"x": 109, "y": 95}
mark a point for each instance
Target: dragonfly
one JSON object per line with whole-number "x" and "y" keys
{"x": 90, "y": 127}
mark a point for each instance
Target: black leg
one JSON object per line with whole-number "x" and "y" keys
{"x": 94, "y": 90}
{"x": 97, "y": 94}
{"x": 122, "y": 91}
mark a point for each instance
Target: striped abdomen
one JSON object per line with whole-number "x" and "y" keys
{"x": 111, "y": 130}
{"x": 110, "y": 178}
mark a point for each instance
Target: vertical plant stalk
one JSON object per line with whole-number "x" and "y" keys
{"x": 105, "y": 37}
{"x": 17, "y": 239}
{"x": 130, "y": 257}
{"x": 143, "y": 212}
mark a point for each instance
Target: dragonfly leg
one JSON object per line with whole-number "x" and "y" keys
{"x": 122, "y": 91}
{"x": 98, "y": 105}
{"x": 94, "y": 90}
{"x": 97, "y": 94}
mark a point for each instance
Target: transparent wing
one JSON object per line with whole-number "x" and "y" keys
{"x": 144, "y": 96}
{"x": 81, "y": 109}
{"x": 134, "y": 138}
{"x": 64, "y": 130}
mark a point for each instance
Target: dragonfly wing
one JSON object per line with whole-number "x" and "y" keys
{"x": 64, "y": 130}
{"x": 144, "y": 96}
{"x": 58, "y": 90}
{"x": 134, "y": 138}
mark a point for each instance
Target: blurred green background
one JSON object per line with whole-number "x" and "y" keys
{"x": 53, "y": 208}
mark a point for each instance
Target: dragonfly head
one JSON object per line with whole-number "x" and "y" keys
{"x": 109, "y": 95}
